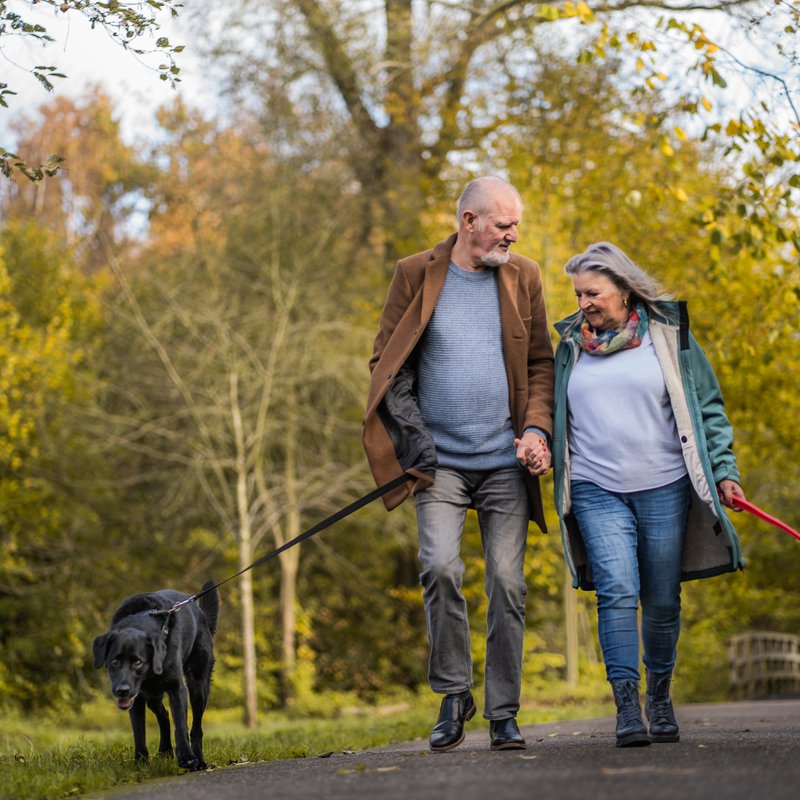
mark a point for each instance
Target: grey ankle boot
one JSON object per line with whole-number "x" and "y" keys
{"x": 658, "y": 708}
{"x": 631, "y": 731}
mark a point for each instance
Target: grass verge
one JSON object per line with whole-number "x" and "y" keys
{"x": 46, "y": 760}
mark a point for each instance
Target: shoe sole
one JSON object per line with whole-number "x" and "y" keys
{"x": 509, "y": 746}
{"x": 467, "y": 717}
{"x": 634, "y": 740}
{"x": 665, "y": 738}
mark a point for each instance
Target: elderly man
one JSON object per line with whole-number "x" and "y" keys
{"x": 461, "y": 400}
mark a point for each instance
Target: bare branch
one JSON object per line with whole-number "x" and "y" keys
{"x": 766, "y": 74}
{"x": 339, "y": 66}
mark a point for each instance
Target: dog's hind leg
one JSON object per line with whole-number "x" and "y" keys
{"x": 178, "y": 706}
{"x": 156, "y": 705}
{"x": 198, "y": 697}
{"x": 136, "y": 715}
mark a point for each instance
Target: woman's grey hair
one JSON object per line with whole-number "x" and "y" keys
{"x": 478, "y": 195}
{"x": 613, "y": 263}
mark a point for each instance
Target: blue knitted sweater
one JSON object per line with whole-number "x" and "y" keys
{"x": 462, "y": 387}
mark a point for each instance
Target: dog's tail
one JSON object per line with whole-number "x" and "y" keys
{"x": 209, "y": 605}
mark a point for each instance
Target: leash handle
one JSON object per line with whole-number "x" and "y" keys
{"x": 326, "y": 523}
{"x": 751, "y": 508}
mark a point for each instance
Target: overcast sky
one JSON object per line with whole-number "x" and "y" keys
{"x": 91, "y": 57}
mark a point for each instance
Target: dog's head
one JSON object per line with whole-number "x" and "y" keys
{"x": 130, "y": 655}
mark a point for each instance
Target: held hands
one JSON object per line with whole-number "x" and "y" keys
{"x": 726, "y": 490}
{"x": 533, "y": 453}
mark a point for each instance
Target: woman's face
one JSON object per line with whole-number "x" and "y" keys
{"x": 602, "y": 303}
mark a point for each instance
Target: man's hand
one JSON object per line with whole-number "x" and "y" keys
{"x": 533, "y": 453}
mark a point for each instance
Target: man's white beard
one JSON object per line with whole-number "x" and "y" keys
{"x": 495, "y": 257}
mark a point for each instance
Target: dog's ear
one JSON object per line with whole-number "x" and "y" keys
{"x": 159, "y": 643}
{"x": 100, "y": 649}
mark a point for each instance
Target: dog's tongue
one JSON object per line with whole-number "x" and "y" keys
{"x": 125, "y": 703}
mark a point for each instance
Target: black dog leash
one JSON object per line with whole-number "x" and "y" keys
{"x": 326, "y": 523}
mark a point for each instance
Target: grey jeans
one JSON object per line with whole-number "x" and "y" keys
{"x": 501, "y": 501}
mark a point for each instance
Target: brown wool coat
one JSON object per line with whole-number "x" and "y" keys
{"x": 527, "y": 351}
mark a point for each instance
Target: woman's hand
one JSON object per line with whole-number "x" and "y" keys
{"x": 727, "y": 489}
{"x": 533, "y": 453}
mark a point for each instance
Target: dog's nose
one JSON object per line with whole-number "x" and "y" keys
{"x": 122, "y": 691}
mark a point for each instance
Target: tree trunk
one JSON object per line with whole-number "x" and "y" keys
{"x": 250, "y": 717}
{"x": 289, "y": 563}
{"x": 290, "y": 560}
{"x": 245, "y": 558}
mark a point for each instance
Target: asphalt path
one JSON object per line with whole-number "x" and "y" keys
{"x": 728, "y": 751}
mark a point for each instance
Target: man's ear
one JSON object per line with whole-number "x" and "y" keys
{"x": 159, "y": 643}
{"x": 100, "y": 649}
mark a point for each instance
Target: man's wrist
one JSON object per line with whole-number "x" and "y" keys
{"x": 538, "y": 432}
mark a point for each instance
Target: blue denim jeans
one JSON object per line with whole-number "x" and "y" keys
{"x": 501, "y": 501}
{"x": 634, "y": 544}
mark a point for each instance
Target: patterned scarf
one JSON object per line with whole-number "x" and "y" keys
{"x": 602, "y": 343}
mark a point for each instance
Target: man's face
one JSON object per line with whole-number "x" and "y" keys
{"x": 494, "y": 231}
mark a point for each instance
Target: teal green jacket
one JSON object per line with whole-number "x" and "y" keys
{"x": 711, "y": 545}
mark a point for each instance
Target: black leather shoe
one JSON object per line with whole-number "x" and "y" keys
{"x": 505, "y": 735}
{"x": 456, "y": 709}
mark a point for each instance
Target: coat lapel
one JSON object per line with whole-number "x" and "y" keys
{"x": 435, "y": 276}
{"x": 510, "y": 318}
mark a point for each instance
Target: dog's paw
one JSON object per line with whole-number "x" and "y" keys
{"x": 192, "y": 765}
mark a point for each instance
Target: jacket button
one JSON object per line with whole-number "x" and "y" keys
{"x": 684, "y": 439}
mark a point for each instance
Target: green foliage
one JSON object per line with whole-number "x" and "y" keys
{"x": 49, "y": 318}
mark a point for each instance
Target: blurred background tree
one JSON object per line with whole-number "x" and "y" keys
{"x": 187, "y": 321}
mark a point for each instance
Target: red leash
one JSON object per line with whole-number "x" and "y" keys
{"x": 739, "y": 502}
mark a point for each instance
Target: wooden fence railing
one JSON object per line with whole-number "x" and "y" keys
{"x": 764, "y": 664}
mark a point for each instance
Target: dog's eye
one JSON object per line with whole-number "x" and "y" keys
{"x": 138, "y": 663}
{"x": 114, "y": 662}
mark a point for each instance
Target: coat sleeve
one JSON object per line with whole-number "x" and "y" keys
{"x": 395, "y": 436}
{"x": 717, "y": 428}
{"x": 397, "y": 300}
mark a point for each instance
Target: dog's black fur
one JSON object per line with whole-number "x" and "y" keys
{"x": 145, "y": 659}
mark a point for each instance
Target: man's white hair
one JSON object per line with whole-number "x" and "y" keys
{"x": 478, "y": 195}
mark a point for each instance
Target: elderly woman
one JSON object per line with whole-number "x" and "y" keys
{"x": 643, "y": 464}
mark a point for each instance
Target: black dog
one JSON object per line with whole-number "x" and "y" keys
{"x": 148, "y": 654}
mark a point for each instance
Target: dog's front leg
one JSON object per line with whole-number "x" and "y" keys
{"x": 136, "y": 715}
{"x": 178, "y": 706}
{"x": 156, "y": 705}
